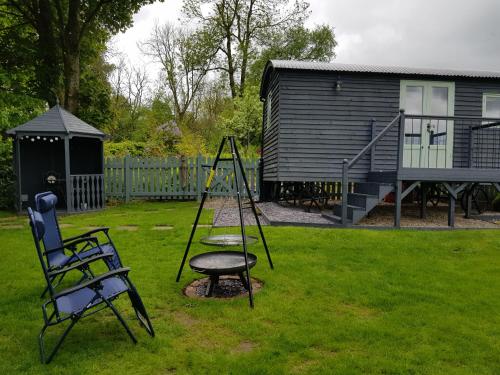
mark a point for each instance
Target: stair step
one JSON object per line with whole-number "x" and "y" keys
{"x": 373, "y": 188}
{"x": 362, "y": 200}
{"x": 353, "y": 212}
{"x": 335, "y": 218}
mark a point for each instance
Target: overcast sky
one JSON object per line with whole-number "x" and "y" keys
{"x": 463, "y": 34}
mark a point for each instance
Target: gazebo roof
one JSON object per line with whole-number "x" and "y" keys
{"x": 56, "y": 121}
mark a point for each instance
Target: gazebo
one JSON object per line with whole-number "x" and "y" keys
{"x": 57, "y": 151}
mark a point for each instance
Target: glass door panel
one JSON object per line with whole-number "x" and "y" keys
{"x": 428, "y": 142}
{"x": 414, "y": 104}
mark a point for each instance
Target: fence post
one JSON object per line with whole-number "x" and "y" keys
{"x": 199, "y": 177}
{"x": 126, "y": 178}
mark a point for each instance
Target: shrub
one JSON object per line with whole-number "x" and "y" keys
{"x": 121, "y": 149}
{"x": 7, "y": 189}
{"x": 496, "y": 203}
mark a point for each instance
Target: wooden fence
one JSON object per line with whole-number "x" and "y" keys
{"x": 173, "y": 178}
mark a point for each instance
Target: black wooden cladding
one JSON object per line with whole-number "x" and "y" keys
{"x": 314, "y": 126}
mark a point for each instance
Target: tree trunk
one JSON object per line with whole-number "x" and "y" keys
{"x": 71, "y": 57}
{"x": 47, "y": 70}
{"x": 230, "y": 66}
{"x": 71, "y": 80}
{"x": 244, "y": 64}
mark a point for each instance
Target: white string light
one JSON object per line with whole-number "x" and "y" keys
{"x": 39, "y": 138}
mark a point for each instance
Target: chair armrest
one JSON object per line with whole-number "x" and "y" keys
{"x": 86, "y": 234}
{"x": 72, "y": 244}
{"x": 80, "y": 264}
{"x": 93, "y": 282}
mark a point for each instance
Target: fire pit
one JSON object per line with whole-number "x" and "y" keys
{"x": 218, "y": 263}
{"x": 227, "y": 240}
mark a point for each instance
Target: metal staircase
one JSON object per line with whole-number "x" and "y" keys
{"x": 364, "y": 198}
{"x": 356, "y": 204}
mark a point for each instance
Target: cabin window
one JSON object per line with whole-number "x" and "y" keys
{"x": 268, "y": 109}
{"x": 491, "y": 105}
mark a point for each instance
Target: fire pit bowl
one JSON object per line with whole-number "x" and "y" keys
{"x": 221, "y": 262}
{"x": 227, "y": 240}
{"x": 217, "y": 263}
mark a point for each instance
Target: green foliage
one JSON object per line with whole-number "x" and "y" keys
{"x": 297, "y": 43}
{"x": 7, "y": 190}
{"x": 496, "y": 203}
{"x": 124, "y": 148}
{"x": 191, "y": 144}
{"x": 244, "y": 118}
{"x": 95, "y": 90}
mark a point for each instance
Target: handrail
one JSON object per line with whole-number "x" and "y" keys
{"x": 346, "y": 165}
{"x": 435, "y": 117}
{"x": 485, "y": 126}
{"x": 372, "y": 142}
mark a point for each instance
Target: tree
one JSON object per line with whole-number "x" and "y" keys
{"x": 297, "y": 43}
{"x": 241, "y": 27}
{"x": 244, "y": 118}
{"x": 61, "y": 26}
{"x": 129, "y": 90}
{"x": 185, "y": 57}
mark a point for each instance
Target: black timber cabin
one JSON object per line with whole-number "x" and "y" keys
{"x": 378, "y": 130}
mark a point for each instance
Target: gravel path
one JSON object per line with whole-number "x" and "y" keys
{"x": 382, "y": 216}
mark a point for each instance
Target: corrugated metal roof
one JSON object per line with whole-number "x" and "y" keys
{"x": 56, "y": 120}
{"x": 336, "y": 67}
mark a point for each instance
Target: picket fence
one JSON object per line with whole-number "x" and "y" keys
{"x": 173, "y": 177}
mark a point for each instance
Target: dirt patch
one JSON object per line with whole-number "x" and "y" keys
{"x": 202, "y": 226}
{"x": 12, "y": 226}
{"x": 185, "y": 319}
{"x": 229, "y": 287}
{"x": 9, "y": 218}
{"x": 89, "y": 228}
{"x": 243, "y": 347}
{"x": 66, "y": 225}
{"x": 162, "y": 227}
{"x": 129, "y": 228}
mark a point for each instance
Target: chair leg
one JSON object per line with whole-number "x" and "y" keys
{"x": 120, "y": 318}
{"x": 140, "y": 309}
{"x": 59, "y": 342}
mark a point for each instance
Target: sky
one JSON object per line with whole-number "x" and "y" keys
{"x": 460, "y": 34}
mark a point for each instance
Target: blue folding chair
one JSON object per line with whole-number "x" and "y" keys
{"x": 92, "y": 295}
{"x": 80, "y": 247}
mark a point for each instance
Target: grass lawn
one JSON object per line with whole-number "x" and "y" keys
{"x": 338, "y": 301}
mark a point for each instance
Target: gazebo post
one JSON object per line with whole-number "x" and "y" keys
{"x": 103, "y": 192}
{"x": 69, "y": 206}
{"x": 17, "y": 169}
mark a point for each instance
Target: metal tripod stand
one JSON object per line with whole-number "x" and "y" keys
{"x": 237, "y": 166}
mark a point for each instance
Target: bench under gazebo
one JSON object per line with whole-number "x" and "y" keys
{"x": 57, "y": 151}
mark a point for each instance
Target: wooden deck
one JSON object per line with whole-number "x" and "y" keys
{"x": 480, "y": 175}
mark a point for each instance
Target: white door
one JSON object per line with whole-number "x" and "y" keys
{"x": 428, "y": 142}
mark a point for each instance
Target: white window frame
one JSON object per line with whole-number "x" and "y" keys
{"x": 486, "y": 95}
